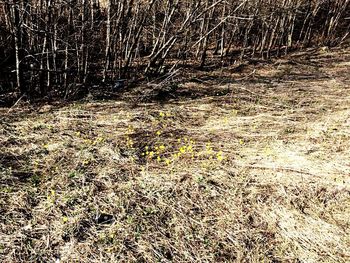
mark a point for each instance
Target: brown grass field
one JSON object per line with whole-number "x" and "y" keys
{"x": 249, "y": 166}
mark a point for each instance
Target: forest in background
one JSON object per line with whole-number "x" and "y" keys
{"x": 52, "y": 48}
{"x": 175, "y": 131}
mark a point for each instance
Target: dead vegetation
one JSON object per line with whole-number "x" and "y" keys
{"x": 58, "y": 49}
{"x": 254, "y": 168}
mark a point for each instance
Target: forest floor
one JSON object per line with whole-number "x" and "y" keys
{"x": 249, "y": 166}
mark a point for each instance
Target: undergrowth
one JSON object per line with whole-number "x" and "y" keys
{"x": 258, "y": 174}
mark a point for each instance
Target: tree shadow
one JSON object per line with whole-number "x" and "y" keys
{"x": 16, "y": 166}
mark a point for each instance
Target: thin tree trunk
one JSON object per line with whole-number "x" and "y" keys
{"x": 108, "y": 39}
{"x": 17, "y": 38}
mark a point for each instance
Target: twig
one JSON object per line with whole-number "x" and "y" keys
{"x": 14, "y": 105}
{"x": 279, "y": 169}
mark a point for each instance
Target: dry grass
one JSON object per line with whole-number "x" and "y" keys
{"x": 249, "y": 170}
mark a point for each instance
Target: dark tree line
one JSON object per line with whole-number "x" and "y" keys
{"x": 49, "y": 45}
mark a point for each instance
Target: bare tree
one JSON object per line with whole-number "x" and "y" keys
{"x": 99, "y": 40}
